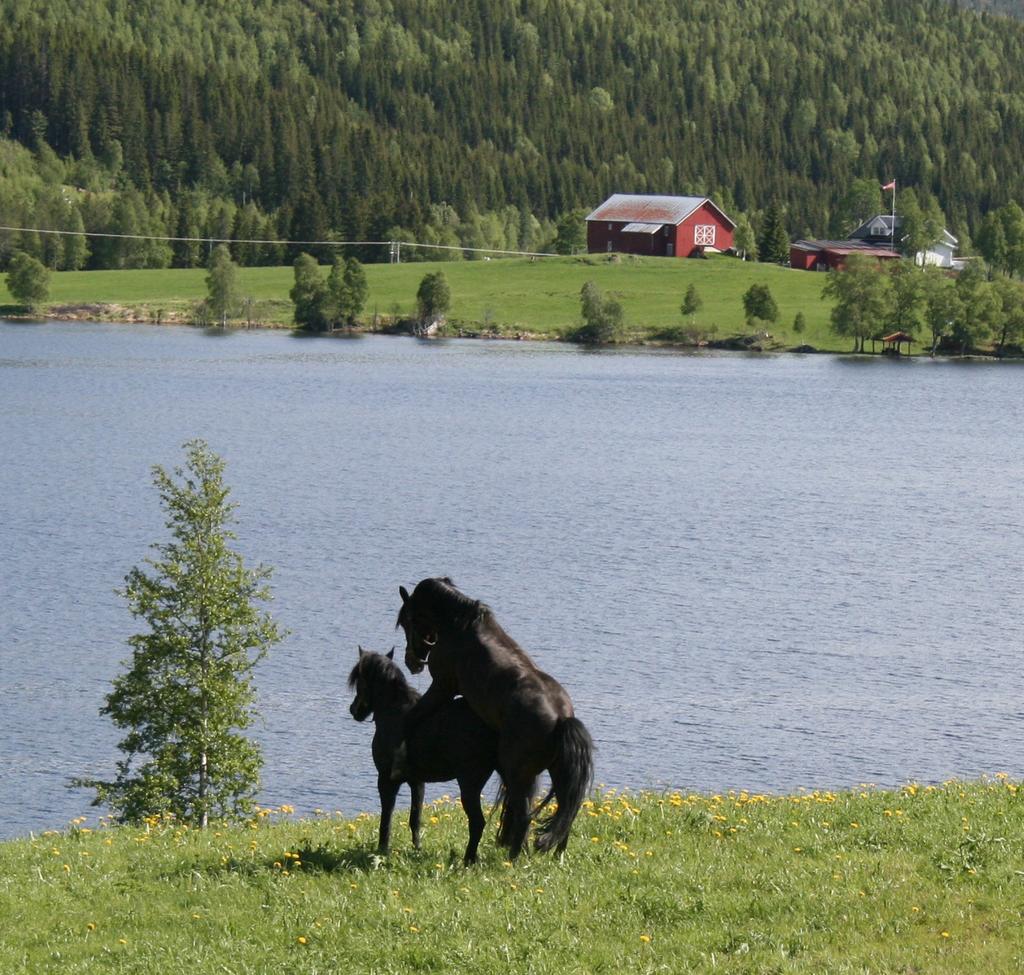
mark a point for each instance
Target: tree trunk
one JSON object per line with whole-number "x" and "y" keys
{"x": 203, "y": 784}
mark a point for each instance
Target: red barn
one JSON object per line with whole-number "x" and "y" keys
{"x": 831, "y": 255}
{"x": 659, "y": 226}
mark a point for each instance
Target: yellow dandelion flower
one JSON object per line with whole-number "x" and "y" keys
{"x": 645, "y": 938}
{"x": 945, "y": 934}
{"x": 302, "y": 939}
{"x": 91, "y": 926}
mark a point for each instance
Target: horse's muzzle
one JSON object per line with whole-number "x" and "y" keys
{"x": 359, "y": 710}
{"x": 413, "y": 662}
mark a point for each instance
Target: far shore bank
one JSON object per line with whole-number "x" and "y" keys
{"x": 507, "y": 299}
{"x": 745, "y": 344}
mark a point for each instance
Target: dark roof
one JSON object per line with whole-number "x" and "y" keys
{"x": 883, "y": 223}
{"x": 844, "y": 248}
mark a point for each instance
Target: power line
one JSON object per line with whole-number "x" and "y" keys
{"x": 280, "y": 243}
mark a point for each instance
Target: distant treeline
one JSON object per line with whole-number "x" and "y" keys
{"x": 484, "y": 123}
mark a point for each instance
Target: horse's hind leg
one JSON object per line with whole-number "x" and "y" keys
{"x": 416, "y": 811}
{"x": 387, "y": 790}
{"x": 469, "y": 794}
{"x": 515, "y": 820}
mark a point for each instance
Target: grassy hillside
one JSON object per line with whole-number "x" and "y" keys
{"x": 540, "y": 298}
{"x": 922, "y": 879}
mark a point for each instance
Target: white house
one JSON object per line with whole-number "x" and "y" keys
{"x": 878, "y": 231}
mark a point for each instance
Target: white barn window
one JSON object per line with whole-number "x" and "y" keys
{"x": 704, "y": 235}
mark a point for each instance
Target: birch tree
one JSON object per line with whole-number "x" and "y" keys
{"x": 187, "y": 693}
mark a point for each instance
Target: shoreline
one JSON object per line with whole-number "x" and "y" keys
{"x": 113, "y": 314}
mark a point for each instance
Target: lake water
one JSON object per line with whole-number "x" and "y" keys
{"x": 764, "y": 572}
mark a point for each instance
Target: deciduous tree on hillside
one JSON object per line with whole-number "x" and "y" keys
{"x": 980, "y": 310}
{"x": 433, "y": 297}
{"x": 941, "y": 304}
{"x": 602, "y": 317}
{"x": 907, "y": 298}
{"x": 759, "y": 304}
{"x": 923, "y": 223}
{"x": 862, "y": 294}
{"x": 309, "y": 295}
{"x": 222, "y": 294}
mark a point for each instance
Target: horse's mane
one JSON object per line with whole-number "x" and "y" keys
{"x": 377, "y": 668}
{"x": 441, "y": 594}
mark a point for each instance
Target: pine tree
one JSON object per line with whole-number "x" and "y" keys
{"x": 692, "y": 302}
{"x": 773, "y": 242}
{"x": 187, "y": 693}
{"x": 347, "y": 290}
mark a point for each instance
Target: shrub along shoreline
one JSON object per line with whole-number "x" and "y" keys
{"x": 917, "y": 879}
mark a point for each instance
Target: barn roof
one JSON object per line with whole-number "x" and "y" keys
{"x": 642, "y": 228}
{"x": 844, "y": 248}
{"x": 661, "y": 210}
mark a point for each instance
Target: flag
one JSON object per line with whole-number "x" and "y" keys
{"x": 890, "y": 185}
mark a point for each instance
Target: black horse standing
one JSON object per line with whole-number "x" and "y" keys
{"x": 468, "y": 653}
{"x": 451, "y": 744}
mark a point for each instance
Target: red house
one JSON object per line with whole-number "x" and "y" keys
{"x": 659, "y": 226}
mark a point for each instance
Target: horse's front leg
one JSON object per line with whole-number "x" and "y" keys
{"x": 436, "y": 696}
{"x": 416, "y": 811}
{"x": 387, "y": 790}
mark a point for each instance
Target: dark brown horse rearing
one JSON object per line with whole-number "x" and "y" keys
{"x": 468, "y": 653}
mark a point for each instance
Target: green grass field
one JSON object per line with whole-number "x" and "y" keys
{"x": 917, "y": 880}
{"x": 539, "y": 298}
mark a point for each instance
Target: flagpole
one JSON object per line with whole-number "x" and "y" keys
{"x": 892, "y": 228}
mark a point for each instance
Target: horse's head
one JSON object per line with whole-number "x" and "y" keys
{"x": 369, "y": 671}
{"x": 420, "y": 632}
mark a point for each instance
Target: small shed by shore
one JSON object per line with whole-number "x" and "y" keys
{"x": 891, "y": 344}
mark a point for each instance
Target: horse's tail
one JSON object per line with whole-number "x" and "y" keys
{"x": 572, "y": 773}
{"x": 501, "y": 808}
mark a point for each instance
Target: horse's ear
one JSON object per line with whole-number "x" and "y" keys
{"x": 361, "y": 651}
{"x": 391, "y": 654}
{"x": 404, "y": 594}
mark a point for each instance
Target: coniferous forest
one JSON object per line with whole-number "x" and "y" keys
{"x": 487, "y": 122}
